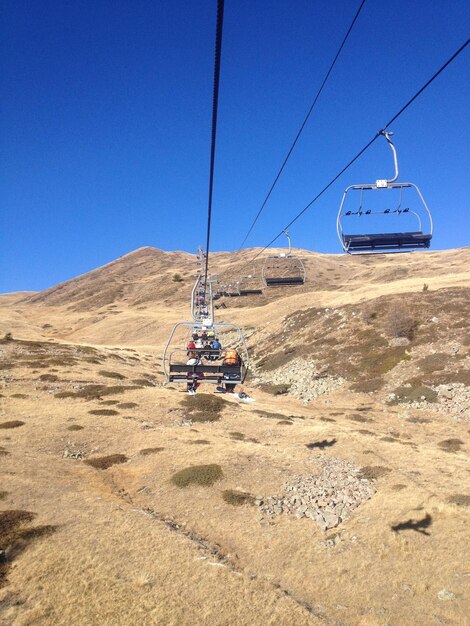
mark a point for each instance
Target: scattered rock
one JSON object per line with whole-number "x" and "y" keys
{"x": 306, "y": 382}
{"x": 327, "y": 498}
{"x": 446, "y": 595}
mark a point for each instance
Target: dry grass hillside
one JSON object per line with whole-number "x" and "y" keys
{"x": 340, "y": 497}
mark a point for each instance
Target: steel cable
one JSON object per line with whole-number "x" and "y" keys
{"x": 215, "y": 106}
{"x": 366, "y": 147}
{"x": 302, "y": 126}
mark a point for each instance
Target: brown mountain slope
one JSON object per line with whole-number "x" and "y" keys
{"x": 124, "y": 501}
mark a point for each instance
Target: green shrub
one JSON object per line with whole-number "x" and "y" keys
{"x": 204, "y": 475}
{"x": 418, "y": 393}
{"x": 400, "y": 322}
{"x": 177, "y": 278}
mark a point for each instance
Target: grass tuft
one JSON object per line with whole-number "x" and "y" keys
{"x": 450, "y": 445}
{"x": 75, "y": 427}
{"x": 459, "y": 499}
{"x": 417, "y": 393}
{"x": 103, "y": 412}
{"x": 104, "y": 462}
{"x": 372, "y": 472}
{"x": 12, "y": 424}
{"x": 147, "y": 451}
{"x": 204, "y": 475}
{"x": 204, "y": 407}
{"x": 49, "y": 378}
{"x": 237, "y": 498}
{"x": 276, "y": 390}
{"x": 107, "y": 374}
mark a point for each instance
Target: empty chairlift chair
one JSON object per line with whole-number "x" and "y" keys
{"x": 250, "y": 285}
{"x": 283, "y": 269}
{"x": 388, "y": 237}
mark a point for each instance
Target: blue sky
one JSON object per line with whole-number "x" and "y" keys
{"x": 106, "y": 112}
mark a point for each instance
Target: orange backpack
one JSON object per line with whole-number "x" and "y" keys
{"x": 231, "y": 357}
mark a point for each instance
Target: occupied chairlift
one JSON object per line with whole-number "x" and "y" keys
{"x": 283, "y": 269}
{"x": 175, "y": 355}
{"x": 406, "y": 241}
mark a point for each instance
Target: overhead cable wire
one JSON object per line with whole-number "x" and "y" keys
{"x": 302, "y": 126}
{"x": 366, "y": 147}
{"x": 215, "y": 106}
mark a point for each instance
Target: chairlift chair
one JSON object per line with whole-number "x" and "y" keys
{"x": 388, "y": 241}
{"x": 250, "y": 285}
{"x": 283, "y": 269}
{"x": 175, "y": 355}
{"x": 231, "y": 290}
{"x": 202, "y": 306}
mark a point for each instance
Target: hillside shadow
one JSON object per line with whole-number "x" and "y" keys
{"x": 418, "y": 526}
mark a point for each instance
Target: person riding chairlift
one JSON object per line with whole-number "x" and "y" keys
{"x": 193, "y": 378}
{"x": 191, "y": 346}
{"x": 216, "y": 348}
{"x": 231, "y": 359}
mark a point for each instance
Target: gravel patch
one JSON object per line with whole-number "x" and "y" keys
{"x": 304, "y": 379}
{"x": 327, "y": 498}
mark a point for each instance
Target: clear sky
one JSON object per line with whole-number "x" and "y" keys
{"x": 106, "y": 113}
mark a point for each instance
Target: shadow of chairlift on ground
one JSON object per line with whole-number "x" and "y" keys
{"x": 418, "y": 526}
{"x": 321, "y": 445}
